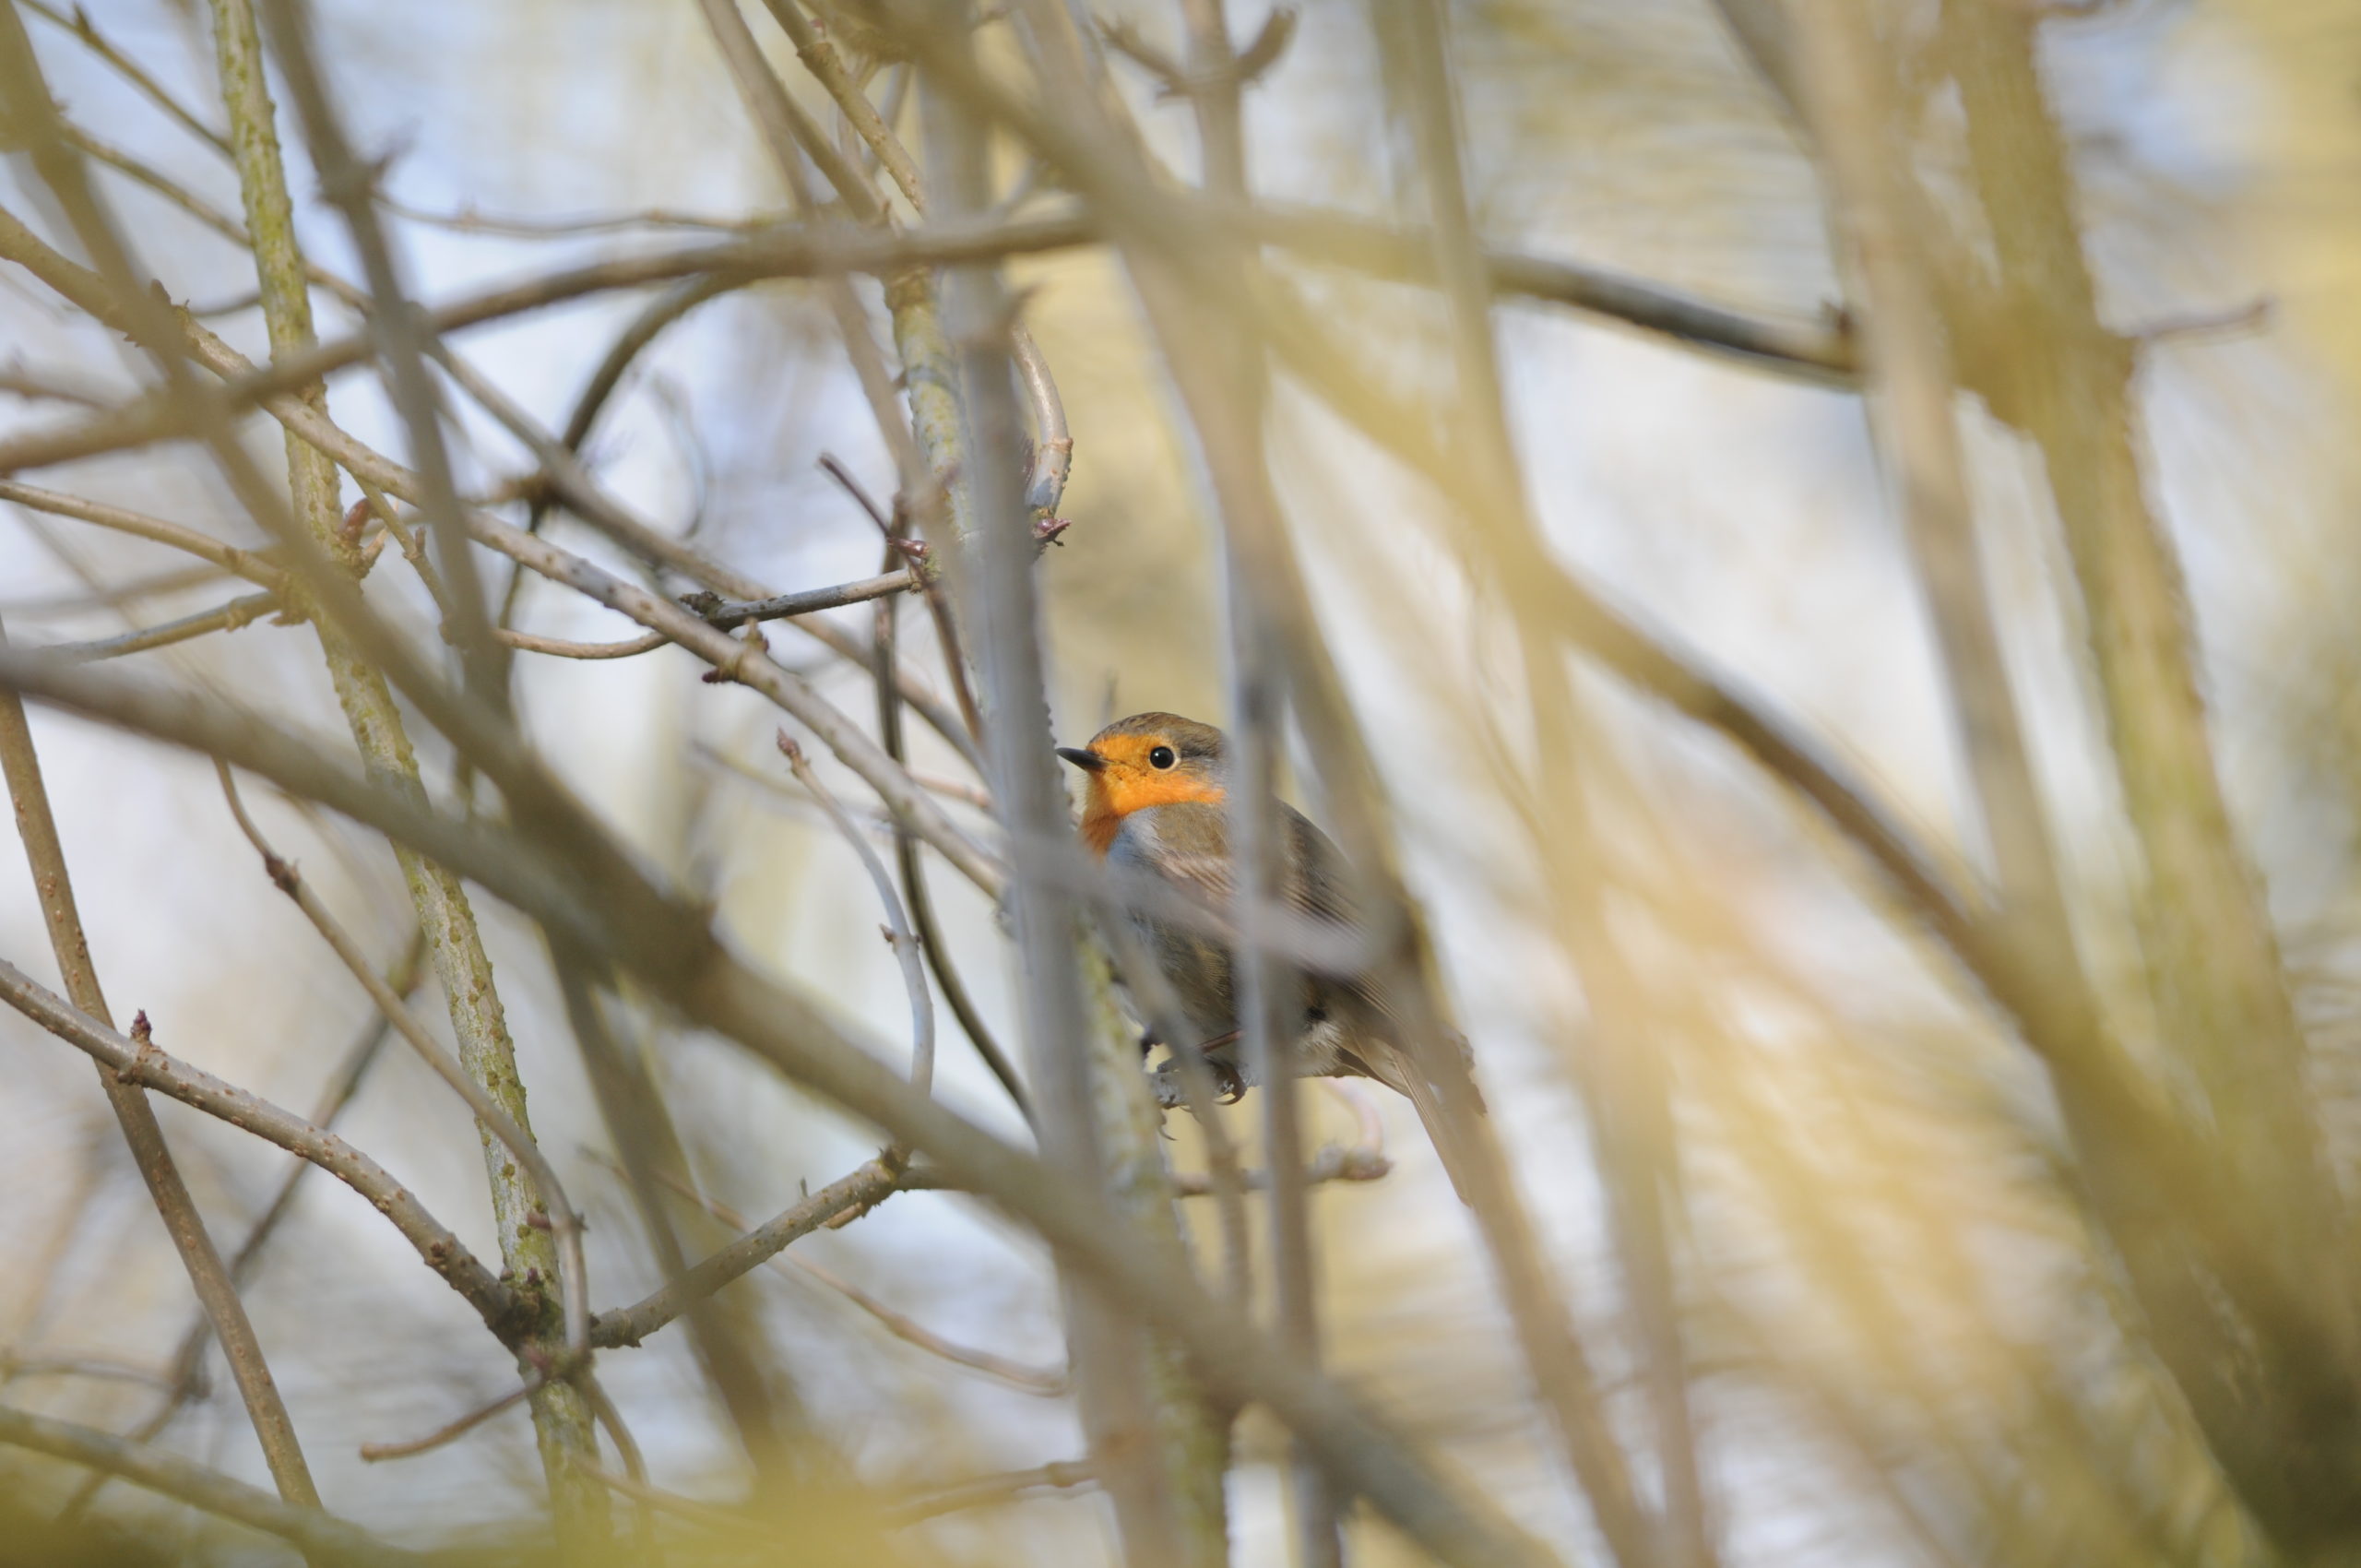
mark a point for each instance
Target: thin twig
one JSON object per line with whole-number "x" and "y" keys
{"x": 561, "y": 1215}
{"x": 863, "y": 1190}
{"x": 528, "y": 642}
{"x": 899, "y": 933}
{"x": 670, "y": 946}
{"x": 1063, "y": 1475}
{"x": 46, "y": 853}
{"x": 143, "y": 1064}
{"x": 634, "y": 1476}
{"x": 787, "y": 606}
{"x": 322, "y": 1536}
{"x": 16, "y": 1365}
{"x": 1815, "y": 353}
{"x": 80, "y": 26}
{"x": 55, "y": 387}
{"x": 451, "y": 1432}
{"x": 1048, "y": 1383}
{"x": 117, "y": 595}
{"x": 886, "y": 669}
{"x": 749, "y": 667}
{"x": 468, "y": 221}
{"x": 342, "y": 1084}
{"x": 253, "y": 566}
{"x": 241, "y": 611}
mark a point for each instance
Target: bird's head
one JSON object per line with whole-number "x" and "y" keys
{"x": 1149, "y": 759}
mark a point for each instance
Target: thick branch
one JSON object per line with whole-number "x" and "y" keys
{"x": 678, "y": 958}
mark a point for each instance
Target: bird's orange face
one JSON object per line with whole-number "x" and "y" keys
{"x": 1134, "y": 768}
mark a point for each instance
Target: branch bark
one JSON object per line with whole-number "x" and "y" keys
{"x": 562, "y": 1416}
{"x": 322, "y": 1538}
{"x": 2050, "y": 368}
{"x": 215, "y": 1290}
{"x": 1157, "y": 1447}
{"x": 670, "y": 949}
{"x": 144, "y": 1063}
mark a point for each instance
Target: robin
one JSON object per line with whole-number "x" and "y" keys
{"x": 1158, "y": 790}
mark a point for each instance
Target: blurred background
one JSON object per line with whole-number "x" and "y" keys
{"x": 1904, "y": 1344}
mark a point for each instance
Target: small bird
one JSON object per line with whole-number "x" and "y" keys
{"x": 1158, "y": 785}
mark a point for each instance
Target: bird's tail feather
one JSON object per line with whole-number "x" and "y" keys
{"x": 1429, "y": 1100}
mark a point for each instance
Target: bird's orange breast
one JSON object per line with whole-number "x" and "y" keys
{"x": 1112, "y": 799}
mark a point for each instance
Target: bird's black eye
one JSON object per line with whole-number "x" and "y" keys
{"x": 1161, "y": 757}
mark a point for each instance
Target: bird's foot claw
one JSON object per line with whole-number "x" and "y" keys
{"x": 1172, "y": 1093}
{"x": 1229, "y": 1081}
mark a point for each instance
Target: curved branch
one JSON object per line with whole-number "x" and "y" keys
{"x": 149, "y": 1067}
{"x": 671, "y": 949}
{"x": 564, "y": 1221}
{"x": 864, "y": 1189}
{"x": 321, "y": 1535}
{"x": 248, "y": 564}
{"x": 1820, "y": 352}
{"x": 561, "y": 647}
{"x": 897, "y": 925}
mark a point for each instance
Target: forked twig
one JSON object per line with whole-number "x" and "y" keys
{"x": 564, "y": 1221}
{"x": 1048, "y": 1383}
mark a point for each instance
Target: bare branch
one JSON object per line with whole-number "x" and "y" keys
{"x": 241, "y": 611}
{"x": 147, "y": 1066}
{"x": 561, "y": 1215}
{"x": 468, "y": 221}
{"x": 400, "y": 338}
{"x": 560, "y": 648}
{"x": 16, "y": 1365}
{"x": 376, "y": 1453}
{"x": 46, "y": 853}
{"x": 323, "y": 1537}
{"x": 787, "y": 606}
{"x": 666, "y": 946}
{"x": 342, "y": 1084}
{"x": 749, "y": 666}
{"x": 985, "y": 1491}
{"x": 1045, "y": 1381}
{"x": 81, "y": 27}
{"x": 1814, "y": 352}
{"x": 861, "y": 1191}
{"x": 897, "y": 925}
{"x": 255, "y": 567}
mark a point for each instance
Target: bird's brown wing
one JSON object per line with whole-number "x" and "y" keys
{"x": 1193, "y": 841}
{"x": 1193, "y": 844}
{"x": 1323, "y": 889}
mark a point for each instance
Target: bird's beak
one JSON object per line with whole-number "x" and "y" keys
{"x": 1089, "y": 762}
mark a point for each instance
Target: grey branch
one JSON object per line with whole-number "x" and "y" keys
{"x": 322, "y": 1536}
{"x": 149, "y": 1067}
{"x": 863, "y": 1190}
{"x": 562, "y": 1216}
